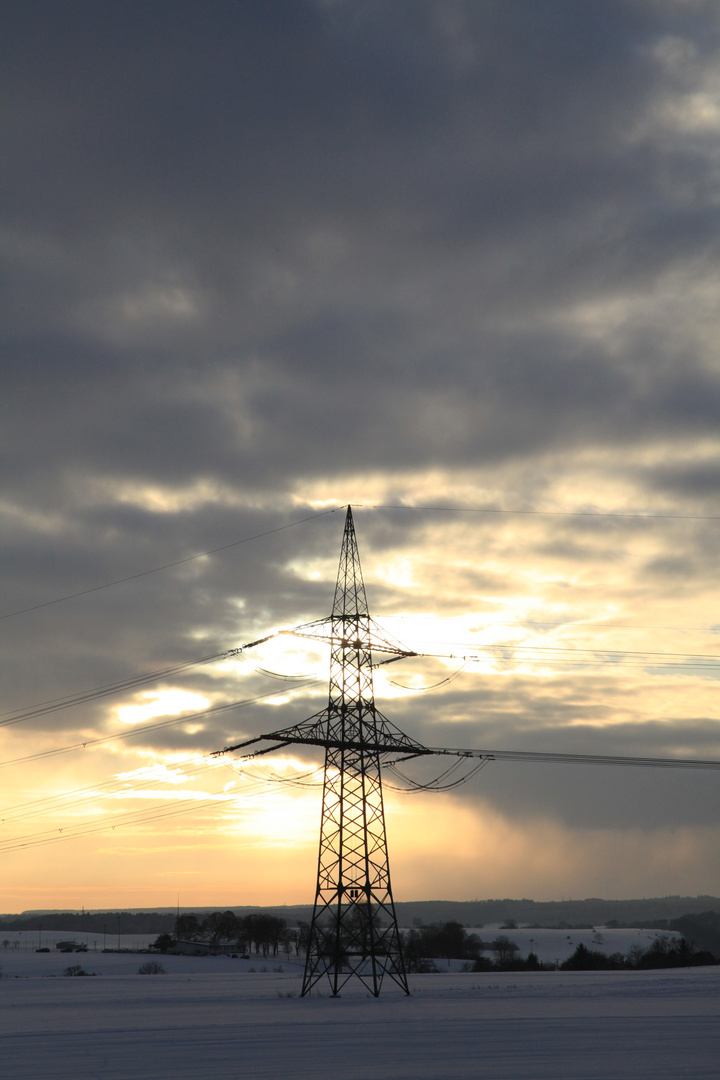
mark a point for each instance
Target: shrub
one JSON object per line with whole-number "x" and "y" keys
{"x": 162, "y": 943}
{"x": 75, "y": 969}
{"x": 584, "y": 959}
{"x": 151, "y": 967}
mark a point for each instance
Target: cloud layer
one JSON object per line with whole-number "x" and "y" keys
{"x": 265, "y": 259}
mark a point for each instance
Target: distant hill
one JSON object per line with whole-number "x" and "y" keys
{"x": 657, "y": 911}
{"x": 703, "y": 930}
{"x": 92, "y": 922}
{"x": 590, "y": 912}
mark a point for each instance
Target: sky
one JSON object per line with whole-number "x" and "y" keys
{"x": 453, "y": 263}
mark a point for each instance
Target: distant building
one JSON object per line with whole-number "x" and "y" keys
{"x": 199, "y": 948}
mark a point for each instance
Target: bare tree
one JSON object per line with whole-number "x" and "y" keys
{"x": 504, "y": 949}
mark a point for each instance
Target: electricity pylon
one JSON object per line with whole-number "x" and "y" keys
{"x": 354, "y": 930}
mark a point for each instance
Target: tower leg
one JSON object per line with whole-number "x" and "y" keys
{"x": 354, "y": 929}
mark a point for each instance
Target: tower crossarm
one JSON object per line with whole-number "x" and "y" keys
{"x": 381, "y": 737}
{"x": 246, "y": 746}
{"x": 350, "y": 632}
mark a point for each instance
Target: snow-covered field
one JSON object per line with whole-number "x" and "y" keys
{"x": 212, "y": 1017}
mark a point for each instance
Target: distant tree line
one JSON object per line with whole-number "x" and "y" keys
{"x": 663, "y": 952}
{"x": 439, "y": 941}
{"x": 425, "y": 946}
{"x": 258, "y": 932}
{"x": 703, "y": 929}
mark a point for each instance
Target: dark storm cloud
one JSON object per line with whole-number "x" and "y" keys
{"x": 343, "y": 195}
{"x": 684, "y": 480}
{"x": 151, "y": 622}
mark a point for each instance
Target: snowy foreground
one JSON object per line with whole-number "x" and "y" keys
{"x": 212, "y": 1017}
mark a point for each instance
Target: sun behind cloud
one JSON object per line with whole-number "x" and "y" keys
{"x": 161, "y": 703}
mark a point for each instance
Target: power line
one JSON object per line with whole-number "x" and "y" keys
{"x": 71, "y": 832}
{"x": 141, "y": 816}
{"x": 588, "y": 657}
{"x": 165, "y": 566}
{"x": 581, "y": 759}
{"x": 42, "y": 708}
{"x": 595, "y": 622}
{"x": 108, "y": 789}
{"x": 447, "y": 780}
{"x": 636, "y": 514}
{"x": 136, "y": 817}
{"x": 426, "y": 689}
{"x": 145, "y": 728}
{"x": 119, "y": 787}
{"x": 652, "y": 655}
{"x": 598, "y": 622}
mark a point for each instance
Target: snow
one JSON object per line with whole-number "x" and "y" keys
{"x": 211, "y": 1016}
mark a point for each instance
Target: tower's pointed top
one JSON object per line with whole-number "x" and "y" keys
{"x": 350, "y": 600}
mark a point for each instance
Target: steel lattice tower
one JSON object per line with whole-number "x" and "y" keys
{"x": 354, "y": 928}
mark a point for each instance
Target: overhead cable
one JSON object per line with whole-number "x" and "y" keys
{"x": 166, "y": 566}
{"x": 42, "y": 708}
{"x": 637, "y": 514}
{"x": 143, "y": 729}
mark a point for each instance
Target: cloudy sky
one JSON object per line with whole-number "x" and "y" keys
{"x": 264, "y": 259}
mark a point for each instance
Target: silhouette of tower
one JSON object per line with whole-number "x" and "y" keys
{"x": 354, "y": 927}
{"x": 354, "y": 930}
